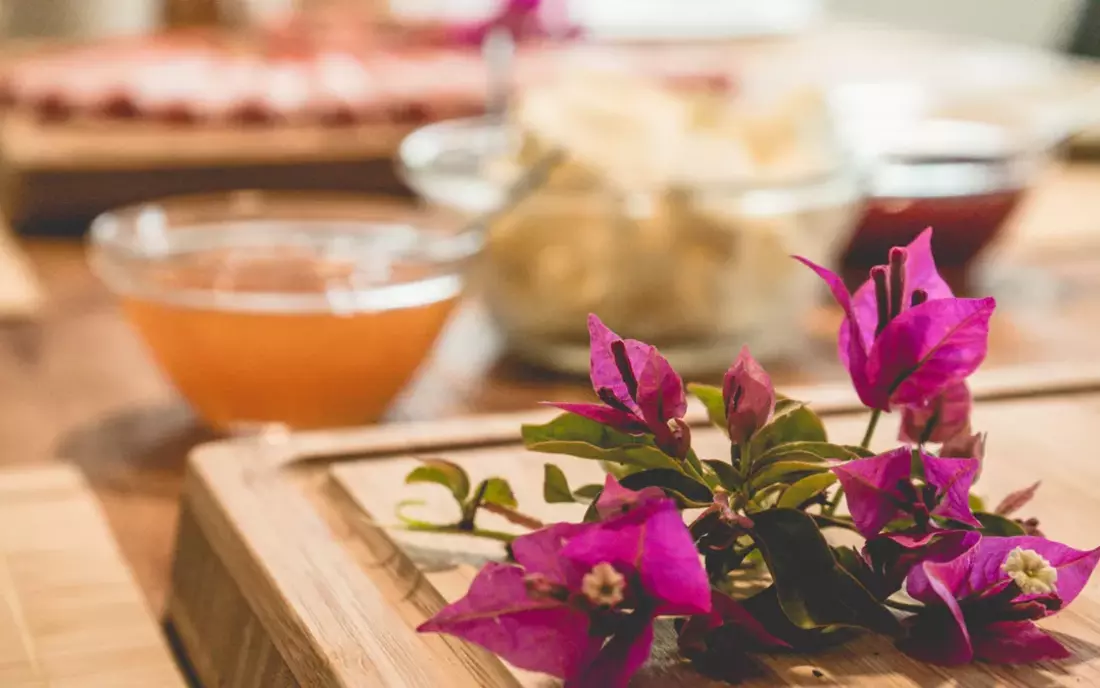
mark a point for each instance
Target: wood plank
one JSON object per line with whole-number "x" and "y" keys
{"x": 71, "y": 615}
{"x": 90, "y": 146}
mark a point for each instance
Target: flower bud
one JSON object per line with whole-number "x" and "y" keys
{"x": 749, "y": 397}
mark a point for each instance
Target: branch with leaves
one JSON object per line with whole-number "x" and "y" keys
{"x": 948, "y": 581}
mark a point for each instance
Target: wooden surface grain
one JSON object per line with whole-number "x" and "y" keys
{"x": 300, "y": 525}
{"x": 77, "y": 387}
{"x": 71, "y": 615}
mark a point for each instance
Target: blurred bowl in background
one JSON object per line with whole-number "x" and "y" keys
{"x": 297, "y": 310}
{"x": 697, "y": 270}
{"x": 963, "y": 178}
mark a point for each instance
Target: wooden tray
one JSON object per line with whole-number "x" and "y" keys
{"x": 71, "y": 615}
{"x": 284, "y": 577}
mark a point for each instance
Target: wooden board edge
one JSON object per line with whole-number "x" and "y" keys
{"x": 281, "y": 557}
{"x": 103, "y": 146}
{"x": 459, "y": 432}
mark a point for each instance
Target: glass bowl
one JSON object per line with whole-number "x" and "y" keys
{"x": 963, "y": 178}
{"x": 698, "y": 272}
{"x": 302, "y": 310}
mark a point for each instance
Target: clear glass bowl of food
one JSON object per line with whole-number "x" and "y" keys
{"x": 297, "y": 310}
{"x": 698, "y": 268}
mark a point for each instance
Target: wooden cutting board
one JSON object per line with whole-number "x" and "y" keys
{"x": 286, "y": 568}
{"x": 71, "y": 615}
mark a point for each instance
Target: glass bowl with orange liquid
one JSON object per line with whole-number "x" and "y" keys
{"x": 303, "y": 311}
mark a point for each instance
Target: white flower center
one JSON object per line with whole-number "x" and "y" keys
{"x": 1030, "y": 571}
{"x": 603, "y": 585}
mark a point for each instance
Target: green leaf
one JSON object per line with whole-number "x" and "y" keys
{"x": 616, "y": 470}
{"x": 814, "y": 589}
{"x": 727, "y": 474}
{"x": 712, "y": 399}
{"x": 805, "y": 489}
{"x": 590, "y": 514}
{"x": 688, "y": 491}
{"x": 555, "y": 487}
{"x": 577, "y": 436}
{"x": 976, "y": 502}
{"x": 441, "y": 472}
{"x": 765, "y": 608}
{"x": 808, "y": 451}
{"x": 497, "y": 491}
{"x": 998, "y": 526}
{"x": 786, "y": 471}
{"x": 588, "y": 493}
{"x": 793, "y": 422}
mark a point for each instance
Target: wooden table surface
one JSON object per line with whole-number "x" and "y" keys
{"x": 76, "y": 386}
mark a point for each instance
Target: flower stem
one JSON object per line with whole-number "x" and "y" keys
{"x": 871, "y": 425}
{"x": 513, "y": 516}
{"x": 476, "y": 532}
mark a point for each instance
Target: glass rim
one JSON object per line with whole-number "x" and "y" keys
{"x": 416, "y": 154}
{"x": 119, "y": 254}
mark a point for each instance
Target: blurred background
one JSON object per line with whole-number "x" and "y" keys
{"x": 221, "y": 216}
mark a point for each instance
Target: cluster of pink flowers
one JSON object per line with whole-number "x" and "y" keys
{"x": 580, "y": 599}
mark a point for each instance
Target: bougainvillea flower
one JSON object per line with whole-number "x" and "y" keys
{"x": 945, "y": 417}
{"x": 524, "y": 20}
{"x": 891, "y": 556}
{"x": 880, "y": 489}
{"x": 749, "y": 397}
{"x": 640, "y": 391}
{"x": 983, "y": 604}
{"x": 581, "y": 602}
{"x": 905, "y": 338}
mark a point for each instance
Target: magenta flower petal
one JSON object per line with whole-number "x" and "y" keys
{"x": 952, "y": 479}
{"x": 1074, "y": 566}
{"x": 939, "y": 636}
{"x": 619, "y": 659}
{"x": 661, "y": 395}
{"x": 534, "y": 634}
{"x": 749, "y": 397}
{"x": 1016, "y": 500}
{"x": 954, "y": 573}
{"x": 894, "y": 555}
{"x": 852, "y": 344}
{"x": 614, "y": 418}
{"x": 930, "y": 346}
{"x": 652, "y": 542}
{"x": 540, "y": 552}
{"x": 604, "y": 370}
{"x": 615, "y": 499}
{"x": 949, "y": 414}
{"x": 871, "y": 486}
{"x": 1016, "y": 642}
{"x": 920, "y": 273}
